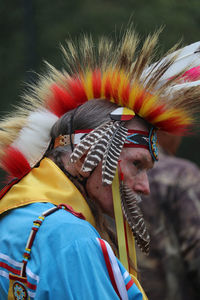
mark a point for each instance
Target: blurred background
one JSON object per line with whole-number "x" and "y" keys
{"x": 32, "y": 31}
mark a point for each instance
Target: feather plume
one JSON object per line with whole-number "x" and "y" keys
{"x": 5, "y": 141}
{"x": 98, "y": 149}
{"x": 34, "y": 138}
{"x": 192, "y": 74}
{"x": 9, "y": 131}
{"x": 107, "y": 147}
{"x": 6, "y": 137}
{"x": 134, "y": 218}
{"x": 104, "y": 142}
{"x": 14, "y": 162}
{"x": 13, "y": 124}
{"x": 113, "y": 150}
{"x": 89, "y": 140}
{"x": 105, "y": 45}
{"x": 127, "y": 50}
{"x": 182, "y": 60}
{"x": 145, "y": 56}
{"x": 184, "y": 86}
{"x": 111, "y": 71}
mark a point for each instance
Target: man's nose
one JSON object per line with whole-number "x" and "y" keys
{"x": 142, "y": 184}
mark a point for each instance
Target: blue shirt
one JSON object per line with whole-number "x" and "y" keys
{"x": 66, "y": 260}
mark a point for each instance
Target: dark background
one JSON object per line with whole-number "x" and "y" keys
{"x": 32, "y": 30}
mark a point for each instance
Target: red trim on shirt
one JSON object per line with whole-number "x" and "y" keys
{"x": 108, "y": 265}
{"x": 14, "y": 277}
{"x": 31, "y": 286}
{"x": 10, "y": 269}
{"x": 129, "y": 284}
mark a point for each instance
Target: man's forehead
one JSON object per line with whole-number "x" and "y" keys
{"x": 137, "y": 124}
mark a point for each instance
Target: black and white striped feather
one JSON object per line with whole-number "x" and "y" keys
{"x": 98, "y": 149}
{"x": 134, "y": 218}
{"x": 103, "y": 143}
{"x": 112, "y": 153}
{"x": 89, "y": 140}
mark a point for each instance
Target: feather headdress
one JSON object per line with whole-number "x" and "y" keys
{"x": 102, "y": 71}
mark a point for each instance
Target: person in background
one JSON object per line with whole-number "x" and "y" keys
{"x": 172, "y": 212}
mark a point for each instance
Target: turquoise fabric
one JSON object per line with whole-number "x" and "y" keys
{"x": 66, "y": 259}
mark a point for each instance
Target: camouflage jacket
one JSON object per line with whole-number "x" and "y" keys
{"x": 172, "y": 214}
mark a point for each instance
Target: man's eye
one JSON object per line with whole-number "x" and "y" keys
{"x": 136, "y": 163}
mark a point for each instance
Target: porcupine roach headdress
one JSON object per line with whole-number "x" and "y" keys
{"x": 117, "y": 74}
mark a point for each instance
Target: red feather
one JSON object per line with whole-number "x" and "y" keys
{"x": 115, "y": 90}
{"x": 96, "y": 84}
{"x": 125, "y": 94}
{"x": 64, "y": 100}
{"x": 60, "y": 102}
{"x": 155, "y": 113}
{"x": 77, "y": 91}
{"x": 138, "y": 102}
{"x": 15, "y": 163}
{"x": 108, "y": 88}
{"x": 172, "y": 125}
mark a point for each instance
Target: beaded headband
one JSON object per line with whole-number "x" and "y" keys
{"x": 134, "y": 139}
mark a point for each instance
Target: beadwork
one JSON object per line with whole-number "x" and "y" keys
{"x": 153, "y": 143}
{"x": 19, "y": 291}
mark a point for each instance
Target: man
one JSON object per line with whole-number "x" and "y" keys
{"x": 172, "y": 212}
{"x": 74, "y": 160}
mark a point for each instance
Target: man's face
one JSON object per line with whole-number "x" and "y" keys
{"x": 134, "y": 164}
